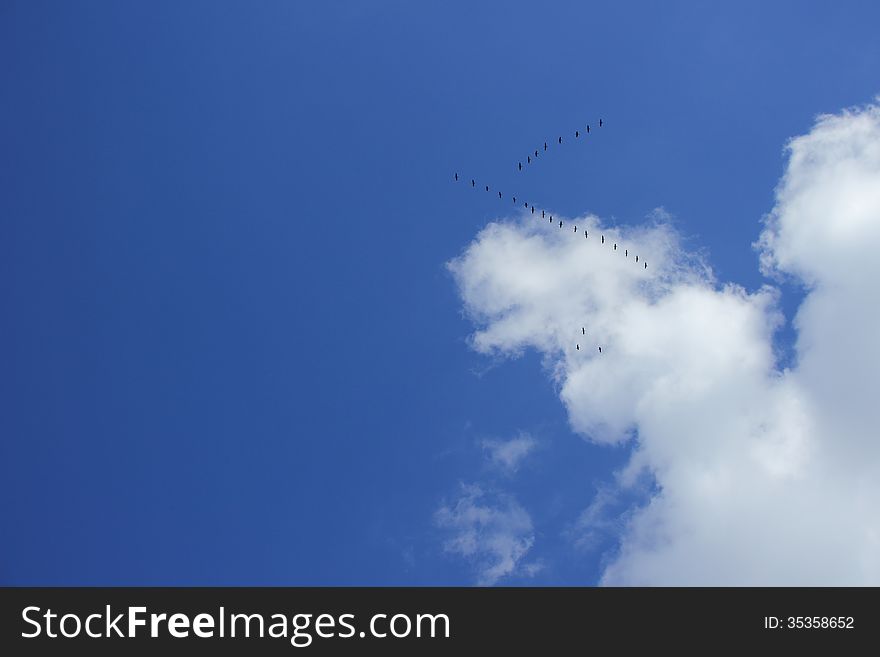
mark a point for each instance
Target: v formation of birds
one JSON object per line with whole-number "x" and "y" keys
{"x": 533, "y": 157}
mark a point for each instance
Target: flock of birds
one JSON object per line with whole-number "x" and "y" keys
{"x": 533, "y": 157}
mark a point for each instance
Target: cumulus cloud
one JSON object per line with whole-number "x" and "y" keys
{"x": 490, "y": 529}
{"x": 508, "y": 454}
{"x": 761, "y": 475}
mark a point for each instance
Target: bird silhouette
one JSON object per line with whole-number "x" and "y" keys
{"x": 520, "y": 166}
{"x": 456, "y": 177}
{"x": 560, "y": 140}
{"x": 473, "y": 183}
{"x": 577, "y": 134}
{"x": 600, "y": 123}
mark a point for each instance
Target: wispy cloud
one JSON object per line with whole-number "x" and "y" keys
{"x": 763, "y": 476}
{"x": 508, "y": 454}
{"x": 491, "y": 530}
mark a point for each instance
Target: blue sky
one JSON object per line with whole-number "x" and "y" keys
{"x": 231, "y": 351}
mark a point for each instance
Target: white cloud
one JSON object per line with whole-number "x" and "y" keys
{"x": 491, "y": 530}
{"x": 508, "y": 454}
{"x": 601, "y": 519}
{"x": 763, "y": 476}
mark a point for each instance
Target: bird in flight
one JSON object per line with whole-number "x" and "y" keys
{"x": 456, "y": 177}
{"x": 600, "y": 123}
